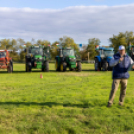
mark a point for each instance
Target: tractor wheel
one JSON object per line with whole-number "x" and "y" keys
{"x": 28, "y": 68}
{"x": 63, "y": 67}
{"x": 96, "y": 65}
{"x": 56, "y": 66}
{"x": 10, "y": 67}
{"x": 105, "y": 66}
{"x": 79, "y": 66}
{"x": 71, "y": 69}
{"x": 43, "y": 67}
{"x": 46, "y": 66}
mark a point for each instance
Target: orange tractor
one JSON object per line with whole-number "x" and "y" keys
{"x": 5, "y": 61}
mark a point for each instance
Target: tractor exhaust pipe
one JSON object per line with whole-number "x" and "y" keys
{"x": 60, "y": 53}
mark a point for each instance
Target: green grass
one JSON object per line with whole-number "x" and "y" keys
{"x": 63, "y": 103}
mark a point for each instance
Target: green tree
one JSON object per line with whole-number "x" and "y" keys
{"x": 43, "y": 42}
{"x": 91, "y": 47}
{"x": 54, "y": 49}
{"x": 121, "y": 39}
{"x": 68, "y": 42}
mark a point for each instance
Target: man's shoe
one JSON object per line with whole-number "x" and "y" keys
{"x": 121, "y": 103}
{"x": 109, "y": 104}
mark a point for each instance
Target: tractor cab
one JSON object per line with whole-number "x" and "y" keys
{"x": 2, "y": 54}
{"x": 68, "y": 52}
{"x": 34, "y": 51}
{"x": 106, "y": 53}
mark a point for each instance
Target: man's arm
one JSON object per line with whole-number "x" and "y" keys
{"x": 113, "y": 62}
{"x": 131, "y": 61}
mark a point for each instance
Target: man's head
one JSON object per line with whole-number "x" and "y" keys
{"x": 122, "y": 50}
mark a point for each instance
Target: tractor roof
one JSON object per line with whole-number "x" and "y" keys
{"x": 40, "y": 46}
{"x": 106, "y": 49}
{"x": 3, "y": 51}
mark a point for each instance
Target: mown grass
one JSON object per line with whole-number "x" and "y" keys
{"x": 62, "y": 103}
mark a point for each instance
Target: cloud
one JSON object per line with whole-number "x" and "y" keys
{"x": 79, "y": 22}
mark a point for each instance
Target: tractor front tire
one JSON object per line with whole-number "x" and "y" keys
{"x": 63, "y": 67}
{"x": 96, "y": 65}
{"x": 79, "y": 66}
{"x": 71, "y": 69}
{"x": 57, "y": 66}
{"x": 46, "y": 66}
{"x": 105, "y": 66}
{"x": 28, "y": 68}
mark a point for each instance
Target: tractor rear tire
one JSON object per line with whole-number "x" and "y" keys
{"x": 63, "y": 66}
{"x": 46, "y": 66}
{"x": 79, "y": 66}
{"x": 96, "y": 65}
{"x": 10, "y": 67}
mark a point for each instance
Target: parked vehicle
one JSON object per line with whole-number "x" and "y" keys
{"x": 103, "y": 58}
{"x": 67, "y": 58}
{"x": 6, "y": 61}
{"x": 37, "y": 57}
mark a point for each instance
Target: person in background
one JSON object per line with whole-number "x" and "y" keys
{"x": 120, "y": 62}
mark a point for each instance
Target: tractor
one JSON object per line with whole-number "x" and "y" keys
{"x": 102, "y": 60}
{"x": 130, "y": 51}
{"x": 6, "y": 61}
{"x": 67, "y": 58}
{"x": 37, "y": 57}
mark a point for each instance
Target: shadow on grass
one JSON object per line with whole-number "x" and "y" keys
{"x": 39, "y": 71}
{"x": 89, "y": 70}
{"x": 49, "y": 104}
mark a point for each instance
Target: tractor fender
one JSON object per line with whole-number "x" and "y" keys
{"x": 99, "y": 58}
{"x": 108, "y": 59}
{"x": 56, "y": 57}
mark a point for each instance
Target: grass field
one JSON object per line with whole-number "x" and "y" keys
{"x": 63, "y": 103}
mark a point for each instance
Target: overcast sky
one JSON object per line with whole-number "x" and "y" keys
{"x": 52, "y": 19}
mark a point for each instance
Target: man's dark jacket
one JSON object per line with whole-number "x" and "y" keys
{"x": 120, "y": 71}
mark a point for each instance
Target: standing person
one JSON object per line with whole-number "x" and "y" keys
{"x": 120, "y": 62}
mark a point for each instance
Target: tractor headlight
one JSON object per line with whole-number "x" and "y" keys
{"x": 72, "y": 59}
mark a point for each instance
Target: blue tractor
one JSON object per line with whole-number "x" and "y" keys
{"x": 102, "y": 60}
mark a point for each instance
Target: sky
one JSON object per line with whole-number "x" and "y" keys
{"x": 52, "y": 19}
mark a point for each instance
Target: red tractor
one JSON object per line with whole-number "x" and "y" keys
{"x": 5, "y": 61}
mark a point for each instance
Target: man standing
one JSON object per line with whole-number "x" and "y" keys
{"x": 120, "y": 62}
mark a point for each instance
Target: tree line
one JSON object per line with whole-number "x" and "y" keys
{"x": 16, "y": 46}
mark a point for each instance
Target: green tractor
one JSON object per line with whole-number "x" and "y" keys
{"x": 37, "y": 57}
{"x": 67, "y": 58}
{"x": 130, "y": 51}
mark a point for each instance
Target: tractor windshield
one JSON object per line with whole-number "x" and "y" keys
{"x": 132, "y": 48}
{"x": 36, "y": 51}
{"x": 2, "y": 54}
{"x": 68, "y": 52}
{"x": 109, "y": 53}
